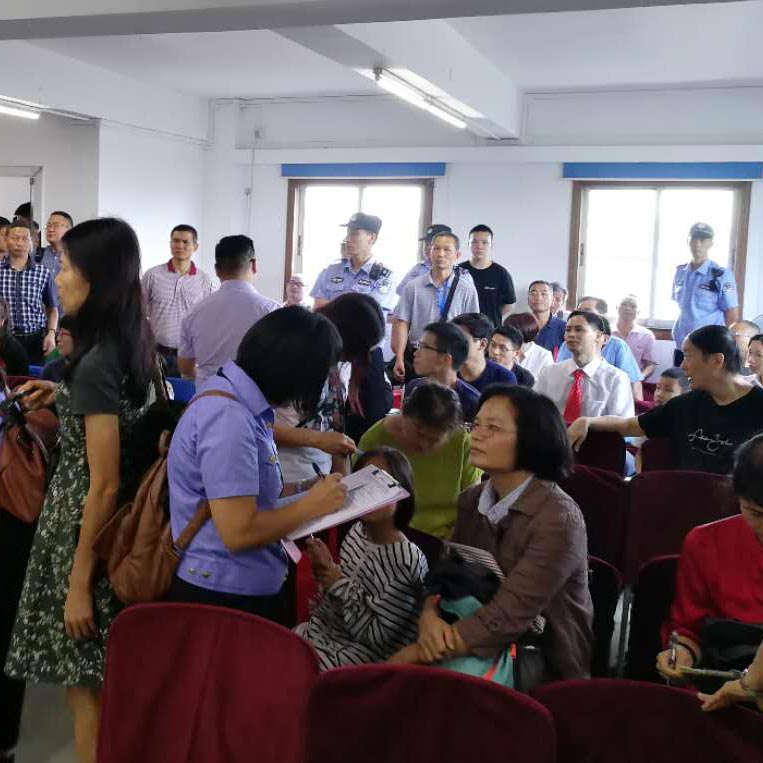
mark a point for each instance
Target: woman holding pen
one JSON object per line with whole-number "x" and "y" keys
{"x": 223, "y": 451}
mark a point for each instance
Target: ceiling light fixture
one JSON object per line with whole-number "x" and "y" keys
{"x": 13, "y": 111}
{"x": 394, "y": 84}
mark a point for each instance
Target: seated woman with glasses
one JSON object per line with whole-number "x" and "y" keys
{"x": 534, "y": 531}
{"x": 430, "y": 432}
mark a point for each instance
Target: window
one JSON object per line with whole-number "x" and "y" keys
{"x": 317, "y": 210}
{"x": 628, "y": 238}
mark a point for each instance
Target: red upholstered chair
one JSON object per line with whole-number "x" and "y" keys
{"x": 16, "y": 381}
{"x": 605, "y": 585}
{"x": 657, "y": 454}
{"x": 602, "y": 497}
{"x": 652, "y": 598}
{"x": 604, "y": 450}
{"x": 648, "y": 389}
{"x": 642, "y": 406}
{"x": 609, "y": 721}
{"x": 664, "y": 506}
{"x": 394, "y": 713}
{"x": 195, "y": 684}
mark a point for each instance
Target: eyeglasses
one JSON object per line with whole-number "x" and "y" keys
{"x": 501, "y": 348}
{"x": 488, "y": 430}
{"x": 424, "y": 346}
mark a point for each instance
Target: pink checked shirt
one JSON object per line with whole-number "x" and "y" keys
{"x": 169, "y": 296}
{"x": 641, "y": 341}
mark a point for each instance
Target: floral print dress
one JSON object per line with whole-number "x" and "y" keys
{"x": 40, "y": 650}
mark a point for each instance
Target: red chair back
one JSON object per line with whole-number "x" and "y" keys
{"x": 653, "y": 594}
{"x": 602, "y": 497}
{"x": 195, "y": 684}
{"x": 642, "y": 406}
{"x": 605, "y": 585}
{"x": 17, "y": 381}
{"x": 657, "y": 455}
{"x": 604, "y": 450}
{"x": 608, "y": 721}
{"x": 648, "y": 389}
{"x": 664, "y": 506}
{"x": 392, "y": 713}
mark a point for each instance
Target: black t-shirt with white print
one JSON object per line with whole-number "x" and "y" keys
{"x": 705, "y": 434}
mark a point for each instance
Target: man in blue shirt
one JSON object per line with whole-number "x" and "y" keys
{"x": 477, "y": 370}
{"x": 540, "y": 297}
{"x": 616, "y": 351}
{"x": 440, "y": 353}
{"x": 706, "y": 293}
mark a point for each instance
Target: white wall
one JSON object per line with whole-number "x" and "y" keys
{"x": 13, "y": 191}
{"x": 67, "y": 150}
{"x": 154, "y": 182}
{"x": 526, "y": 205}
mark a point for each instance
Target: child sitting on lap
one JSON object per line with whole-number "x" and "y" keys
{"x": 372, "y": 598}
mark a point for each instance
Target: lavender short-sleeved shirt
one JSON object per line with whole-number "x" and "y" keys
{"x": 224, "y": 449}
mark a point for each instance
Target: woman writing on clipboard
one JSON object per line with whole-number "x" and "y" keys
{"x": 223, "y": 451}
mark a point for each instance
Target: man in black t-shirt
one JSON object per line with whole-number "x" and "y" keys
{"x": 495, "y": 288}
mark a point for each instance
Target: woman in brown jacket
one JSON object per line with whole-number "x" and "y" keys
{"x": 533, "y": 529}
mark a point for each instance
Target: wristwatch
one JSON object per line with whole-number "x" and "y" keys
{"x": 752, "y": 693}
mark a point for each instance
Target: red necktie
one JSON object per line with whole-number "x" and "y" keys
{"x": 573, "y": 408}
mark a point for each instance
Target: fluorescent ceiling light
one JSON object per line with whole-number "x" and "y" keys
{"x": 12, "y": 111}
{"x": 413, "y": 95}
{"x": 417, "y": 81}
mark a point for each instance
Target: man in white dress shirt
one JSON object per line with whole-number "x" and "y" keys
{"x": 586, "y": 384}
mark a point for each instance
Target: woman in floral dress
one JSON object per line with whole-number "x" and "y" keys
{"x": 66, "y": 607}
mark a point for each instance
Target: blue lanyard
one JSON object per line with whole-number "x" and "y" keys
{"x": 442, "y": 293}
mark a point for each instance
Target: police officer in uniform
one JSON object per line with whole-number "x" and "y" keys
{"x": 705, "y": 292}
{"x": 361, "y": 272}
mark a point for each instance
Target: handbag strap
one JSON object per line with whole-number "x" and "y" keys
{"x": 451, "y": 294}
{"x": 203, "y": 512}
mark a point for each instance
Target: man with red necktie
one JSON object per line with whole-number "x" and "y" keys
{"x": 585, "y": 384}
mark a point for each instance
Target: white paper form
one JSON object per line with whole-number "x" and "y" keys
{"x": 368, "y": 489}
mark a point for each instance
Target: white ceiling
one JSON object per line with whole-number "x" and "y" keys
{"x": 256, "y": 63}
{"x": 631, "y": 46}
{"x": 589, "y": 50}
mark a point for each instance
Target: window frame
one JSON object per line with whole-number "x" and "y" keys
{"x": 739, "y": 228}
{"x": 295, "y": 191}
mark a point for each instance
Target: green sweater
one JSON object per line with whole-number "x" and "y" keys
{"x": 439, "y": 477}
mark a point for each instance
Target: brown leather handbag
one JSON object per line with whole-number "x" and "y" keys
{"x": 136, "y": 543}
{"x": 27, "y": 456}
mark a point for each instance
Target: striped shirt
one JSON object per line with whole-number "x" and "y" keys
{"x": 169, "y": 296}
{"x": 372, "y": 610}
{"x": 28, "y": 292}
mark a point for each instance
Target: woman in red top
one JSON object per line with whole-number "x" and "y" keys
{"x": 721, "y": 569}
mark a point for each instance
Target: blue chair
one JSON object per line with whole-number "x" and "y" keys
{"x": 184, "y": 390}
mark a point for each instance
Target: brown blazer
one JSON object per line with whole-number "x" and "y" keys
{"x": 542, "y": 548}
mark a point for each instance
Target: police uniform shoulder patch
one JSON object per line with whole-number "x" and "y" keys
{"x": 379, "y": 271}
{"x": 337, "y": 279}
{"x": 363, "y": 282}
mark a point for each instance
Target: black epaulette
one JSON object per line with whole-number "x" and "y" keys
{"x": 379, "y": 271}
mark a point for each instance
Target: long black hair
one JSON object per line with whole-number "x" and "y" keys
{"x": 106, "y": 253}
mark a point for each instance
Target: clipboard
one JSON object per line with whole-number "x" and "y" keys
{"x": 367, "y": 490}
